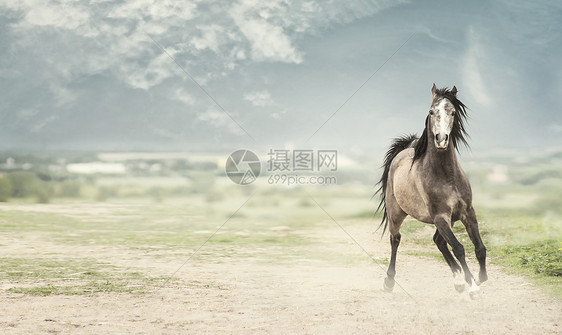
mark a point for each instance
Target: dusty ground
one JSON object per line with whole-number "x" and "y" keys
{"x": 252, "y": 293}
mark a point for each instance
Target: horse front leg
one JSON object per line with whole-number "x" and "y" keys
{"x": 443, "y": 224}
{"x": 471, "y": 224}
{"x": 455, "y": 268}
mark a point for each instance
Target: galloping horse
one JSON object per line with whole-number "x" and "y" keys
{"x": 423, "y": 178}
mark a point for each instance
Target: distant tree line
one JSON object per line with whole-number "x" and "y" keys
{"x": 25, "y": 184}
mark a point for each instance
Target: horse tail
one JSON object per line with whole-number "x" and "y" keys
{"x": 398, "y": 144}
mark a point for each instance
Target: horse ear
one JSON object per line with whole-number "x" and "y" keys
{"x": 454, "y": 91}
{"x": 433, "y": 90}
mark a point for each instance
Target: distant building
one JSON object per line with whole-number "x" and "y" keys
{"x": 96, "y": 167}
{"x": 498, "y": 174}
{"x": 10, "y": 163}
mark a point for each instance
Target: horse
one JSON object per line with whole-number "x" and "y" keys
{"x": 423, "y": 178}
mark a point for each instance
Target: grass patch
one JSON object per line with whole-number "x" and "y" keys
{"x": 540, "y": 258}
{"x": 435, "y": 255}
{"x": 540, "y": 261}
{"x": 72, "y": 277}
{"x": 525, "y": 242}
{"x": 412, "y": 227}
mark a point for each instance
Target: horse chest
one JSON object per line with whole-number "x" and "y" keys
{"x": 440, "y": 198}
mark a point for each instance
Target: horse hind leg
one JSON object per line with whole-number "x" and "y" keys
{"x": 395, "y": 220}
{"x": 455, "y": 268}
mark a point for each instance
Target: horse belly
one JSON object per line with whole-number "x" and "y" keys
{"x": 408, "y": 196}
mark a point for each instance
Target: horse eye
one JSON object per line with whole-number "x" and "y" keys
{"x": 431, "y": 112}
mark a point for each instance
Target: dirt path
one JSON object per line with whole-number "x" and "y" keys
{"x": 257, "y": 295}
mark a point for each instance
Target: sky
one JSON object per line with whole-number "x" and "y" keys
{"x": 221, "y": 75}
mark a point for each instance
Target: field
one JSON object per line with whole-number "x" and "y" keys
{"x": 198, "y": 254}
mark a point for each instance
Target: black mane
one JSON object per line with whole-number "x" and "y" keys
{"x": 458, "y": 133}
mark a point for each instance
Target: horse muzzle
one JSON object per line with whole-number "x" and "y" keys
{"x": 441, "y": 141}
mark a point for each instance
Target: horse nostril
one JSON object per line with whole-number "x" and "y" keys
{"x": 440, "y": 138}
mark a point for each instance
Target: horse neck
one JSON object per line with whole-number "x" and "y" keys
{"x": 441, "y": 163}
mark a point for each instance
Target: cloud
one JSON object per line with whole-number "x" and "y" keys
{"x": 259, "y": 98}
{"x": 180, "y": 94}
{"x": 74, "y": 46}
{"x": 43, "y": 122}
{"x": 165, "y": 133}
{"x": 277, "y": 115}
{"x": 471, "y": 64}
{"x": 273, "y": 28}
{"x": 209, "y": 38}
{"x": 115, "y": 34}
{"x": 268, "y": 41}
{"x": 55, "y": 15}
{"x": 220, "y": 120}
{"x": 263, "y": 99}
{"x": 47, "y": 13}
{"x": 156, "y": 71}
{"x": 153, "y": 10}
{"x": 62, "y": 95}
{"x": 26, "y": 114}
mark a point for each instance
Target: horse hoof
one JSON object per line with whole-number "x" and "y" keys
{"x": 459, "y": 282}
{"x": 474, "y": 295}
{"x": 388, "y": 284}
{"x": 474, "y": 290}
{"x": 482, "y": 277}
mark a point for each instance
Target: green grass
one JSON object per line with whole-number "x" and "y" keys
{"x": 542, "y": 258}
{"x": 72, "y": 277}
{"x": 163, "y": 225}
{"x": 539, "y": 261}
{"x": 525, "y": 241}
